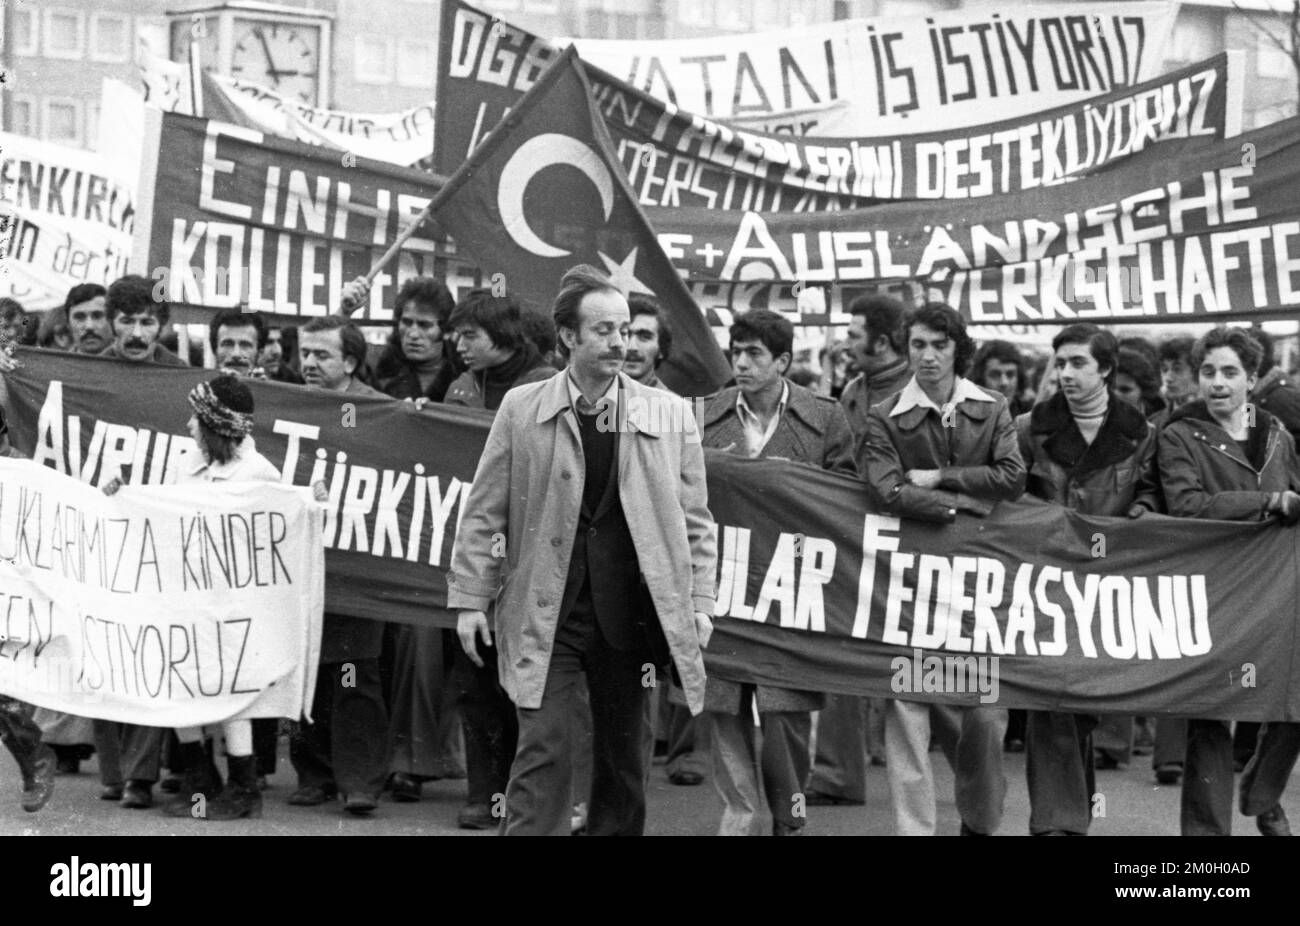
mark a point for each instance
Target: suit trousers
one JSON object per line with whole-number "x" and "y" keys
{"x": 971, "y": 739}
{"x": 1171, "y": 742}
{"x": 489, "y": 722}
{"x": 840, "y": 767}
{"x": 424, "y": 724}
{"x": 128, "y": 752}
{"x": 346, "y": 747}
{"x": 1266, "y": 774}
{"x": 539, "y": 795}
{"x": 1059, "y": 772}
{"x": 1113, "y": 737}
{"x": 776, "y": 771}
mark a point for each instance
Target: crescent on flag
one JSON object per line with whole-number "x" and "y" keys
{"x": 532, "y": 156}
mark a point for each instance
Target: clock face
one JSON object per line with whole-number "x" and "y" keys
{"x": 280, "y": 56}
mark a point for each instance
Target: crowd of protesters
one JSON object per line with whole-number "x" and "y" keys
{"x": 933, "y": 424}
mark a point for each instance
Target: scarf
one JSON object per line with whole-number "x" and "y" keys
{"x": 218, "y": 417}
{"x": 1089, "y": 411}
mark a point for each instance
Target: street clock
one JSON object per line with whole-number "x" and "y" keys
{"x": 285, "y": 49}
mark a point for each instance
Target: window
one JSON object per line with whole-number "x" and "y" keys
{"x": 374, "y": 60}
{"x": 416, "y": 63}
{"x": 1273, "y": 61}
{"x": 696, "y": 12}
{"x": 26, "y": 31}
{"x": 65, "y": 34}
{"x": 767, "y": 15}
{"x": 22, "y": 116}
{"x": 92, "y": 124}
{"x": 62, "y": 121}
{"x": 625, "y": 25}
{"x": 1193, "y": 39}
{"x": 109, "y": 38}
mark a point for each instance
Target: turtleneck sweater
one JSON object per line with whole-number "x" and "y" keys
{"x": 1089, "y": 411}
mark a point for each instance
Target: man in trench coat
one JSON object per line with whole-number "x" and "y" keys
{"x": 588, "y": 526}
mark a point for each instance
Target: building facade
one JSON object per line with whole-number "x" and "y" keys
{"x": 57, "y": 52}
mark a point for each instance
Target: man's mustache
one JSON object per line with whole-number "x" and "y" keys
{"x": 136, "y": 343}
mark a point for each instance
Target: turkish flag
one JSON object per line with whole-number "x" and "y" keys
{"x": 544, "y": 192}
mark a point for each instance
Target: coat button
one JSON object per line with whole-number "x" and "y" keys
{"x": 543, "y": 603}
{"x": 592, "y": 532}
{"x": 555, "y": 541}
{"x": 566, "y": 475}
{"x": 523, "y": 663}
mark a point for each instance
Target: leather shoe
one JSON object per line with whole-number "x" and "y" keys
{"x": 406, "y": 790}
{"x": 822, "y": 799}
{"x": 685, "y": 777}
{"x": 359, "y": 804}
{"x": 967, "y": 831}
{"x": 476, "y": 817}
{"x": 785, "y": 829}
{"x": 311, "y": 796}
{"x": 170, "y": 785}
{"x": 1273, "y": 822}
{"x": 111, "y": 793}
{"x": 1168, "y": 773}
{"x": 137, "y": 795}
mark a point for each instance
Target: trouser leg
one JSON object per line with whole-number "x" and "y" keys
{"x": 620, "y": 723}
{"x": 141, "y": 752}
{"x": 541, "y": 778}
{"x": 735, "y": 767}
{"x": 1266, "y": 775}
{"x": 1245, "y": 735}
{"x": 1206, "y": 806}
{"x": 490, "y": 725}
{"x": 1113, "y": 737}
{"x": 840, "y": 768}
{"x": 309, "y": 746}
{"x": 359, "y": 734}
{"x": 107, "y": 735}
{"x": 981, "y": 782}
{"x": 266, "y": 740}
{"x": 784, "y": 763}
{"x": 20, "y": 734}
{"x": 1058, "y": 766}
{"x": 911, "y": 778}
{"x": 1171, "y": 742}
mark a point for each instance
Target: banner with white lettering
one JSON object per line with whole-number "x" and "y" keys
{"x": 237, "y": 216}
{"x": 171, "y": 606}
{"x": 64, "y": 220}
{"x": 1190, "y": 229}
{"x": 675, "y": 158}
{"x": 404, "y": 138}
{"x": 883, "y": 76}
{"x": 1033, "y": 607}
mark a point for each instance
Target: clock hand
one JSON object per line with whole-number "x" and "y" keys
{"x": 270, "y": 62}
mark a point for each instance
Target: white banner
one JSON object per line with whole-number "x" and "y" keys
{"x": 900, "y": 75}
{"x": 66, "y": 220}
{"x": 168, "y": 606}
{"x": 403, "y": 138}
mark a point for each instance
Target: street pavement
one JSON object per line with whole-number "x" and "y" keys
{"x": 1134, "y": 805}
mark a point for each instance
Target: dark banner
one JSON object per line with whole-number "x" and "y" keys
{"x": 679, "y": 159}
{"x": 1032, "y": 607}
{"x": 886, "y": 77}
{"x": 674, "y": 157}
{"x": 1187, "y": 230}
{"x": 239, "y": 217}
